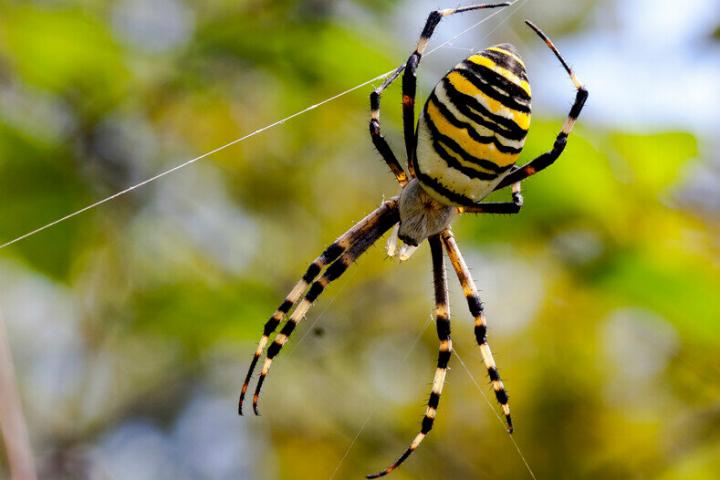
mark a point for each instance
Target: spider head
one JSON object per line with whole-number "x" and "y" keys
{"x": 420, "y": 215}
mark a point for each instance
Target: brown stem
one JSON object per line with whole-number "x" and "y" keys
{"x": 12, "y": 422}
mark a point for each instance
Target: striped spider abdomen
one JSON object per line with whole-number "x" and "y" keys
{"x": 468, "y": 138}
{"x": 473, "y": 126}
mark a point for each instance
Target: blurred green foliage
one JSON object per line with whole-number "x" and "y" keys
{"x": 602, "y": 296}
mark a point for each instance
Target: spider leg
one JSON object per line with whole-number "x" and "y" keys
{"x": 382, "y": 220}
{"x": 476, "y": 310}
{"x": 546, "y": 159}
{"x": 331, "y": 253}
{"x": 498, "y": 207}
{"x": 442, "y": 320}
{"x": 379, "y": 141}
{"x": 408, "y": 92}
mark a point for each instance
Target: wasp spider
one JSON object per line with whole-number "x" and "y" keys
{"x": 464, "y": 146}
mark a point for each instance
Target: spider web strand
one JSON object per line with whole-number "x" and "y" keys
{"x": 497, "y": 415}
{"x": 232, "y": 143}
{"x": 190, "y": 162}
{"x": 377, "y": 406}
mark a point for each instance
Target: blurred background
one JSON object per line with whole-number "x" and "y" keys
{"x": 132, "y": 325}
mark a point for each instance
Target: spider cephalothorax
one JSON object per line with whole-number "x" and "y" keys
{"x": 421, "y": 215}
{"x": 469, "y": 136}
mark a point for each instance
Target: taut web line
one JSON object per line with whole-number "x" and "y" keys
{"x": 230, "y": 144}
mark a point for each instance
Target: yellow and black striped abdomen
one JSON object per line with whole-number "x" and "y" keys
{"x": 473, "y": 126}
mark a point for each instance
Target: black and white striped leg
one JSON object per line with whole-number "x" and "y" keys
{"x": 331, "y": 253}
{"x": 409, "y": 90}
{"x": 409, "y": 84}
{"x": 498, "y": 207}
{"x": 382, "y": 220}
{"x": 476, "y": 310}
{"x": 547, "y": 159}
{"x": 442, "y": 321}
{"x": 379, "y": 141}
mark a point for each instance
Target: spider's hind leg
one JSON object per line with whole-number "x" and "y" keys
{"x": 409, "y": 87}
{"x": 507, "y": 208}
{"x": 338, "y": 256}
{"x": 409, "y": 81}
{"x": 548, "y": 158}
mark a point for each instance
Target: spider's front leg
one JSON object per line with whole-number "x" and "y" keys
{"x": 477, "y": 311}
{"x": 331, "y": 253}
{"x": 343, "y": 252}
{"x": 442, "y": 321}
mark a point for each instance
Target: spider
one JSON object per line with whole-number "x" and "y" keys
{"x": 463, "y": 147}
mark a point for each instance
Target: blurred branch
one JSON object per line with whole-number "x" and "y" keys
{"x": 12, "y": 421}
